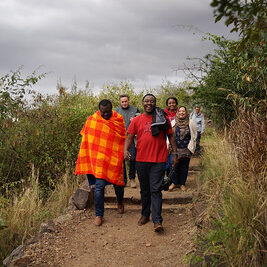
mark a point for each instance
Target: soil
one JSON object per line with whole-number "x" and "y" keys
{"x": 120, "y": 241}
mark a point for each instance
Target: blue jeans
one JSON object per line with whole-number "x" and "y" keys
{"x": 99, "y": 195}
{"x": 150, "y": 176}
{"x": 180, "y": 173}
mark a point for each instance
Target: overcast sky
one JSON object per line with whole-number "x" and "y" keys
{"x": 104, "y": 41}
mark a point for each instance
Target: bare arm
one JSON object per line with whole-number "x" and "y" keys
{"x": 127, "y": 144}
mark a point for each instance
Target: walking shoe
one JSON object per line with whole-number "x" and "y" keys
{"x": 183, "y": 188}
{"x": 133, "y": 183}
{"x": 120, "y": 208}
{"x": 143, "y": 220}
{"x": 98, "y": 220}
{"x": 158, "y": 227}
{"x": 172, "y": 186}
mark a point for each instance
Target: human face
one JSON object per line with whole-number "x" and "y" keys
{"x": 106, "y": 112}
{"x": 172, "y": 105}
{"x": 182, "y": 112}
{"x": 197, "y": 109}
{"x": 149, "y": 104}
{"x": 125, "y": 102}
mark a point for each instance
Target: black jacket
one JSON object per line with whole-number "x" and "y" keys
{"x": 159, "y": 122}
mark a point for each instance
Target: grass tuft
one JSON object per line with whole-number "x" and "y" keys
{"x": 234, "y": 185}
{"x": 21, "y": 217}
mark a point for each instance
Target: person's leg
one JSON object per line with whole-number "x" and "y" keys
{"x": 175, "y": 174}
{"x": 183, "y": 170}
{"x": 169, "y": 164}
{"x": 132, "y": 170}
{"x": 143, "y": 176}
{"x": 132, "y": 151}
{"x": 99, "y": 197}
{"x": 198, "y": 144}
{"x": 119, "y": 191}
{"x": 124, "y": 173}
{"x": 91, "y": 180}
{"x": 156, "y": 175}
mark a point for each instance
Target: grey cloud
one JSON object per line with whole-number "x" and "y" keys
{"x": 103, "y": 40}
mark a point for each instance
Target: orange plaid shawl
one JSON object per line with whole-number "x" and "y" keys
{"x": 101, "y": 150}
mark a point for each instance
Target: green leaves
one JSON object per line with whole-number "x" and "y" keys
{"x": 13, "y": 88}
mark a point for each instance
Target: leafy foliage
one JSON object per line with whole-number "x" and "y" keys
{"x": 44, "y": 130}
{"x": 181, "y": 91}
{"x": 247, "y": 17}
{"x": 235, "y": 74}
{"x": 13, "y": 88}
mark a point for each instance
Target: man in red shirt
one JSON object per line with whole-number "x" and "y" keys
{"x": 151, "y": 160}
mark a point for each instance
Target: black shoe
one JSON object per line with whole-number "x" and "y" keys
{"x": 143, "y": 220}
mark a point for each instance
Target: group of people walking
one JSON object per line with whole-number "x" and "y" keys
{"x": 155, "y": 142}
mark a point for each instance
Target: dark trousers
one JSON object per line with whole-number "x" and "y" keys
{"x": 131, "y": 171}
{"x": 180, "y": 173}
{"x": 150, "y": 176}
{"x": 198, "y": 144}
{"x": 169, "y": 164}
{"x": 132, "y": 151}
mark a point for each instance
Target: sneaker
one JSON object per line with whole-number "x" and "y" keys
{"x": 98, "y": 220}
{"x": 133, "y": 183}
{"x": 120, "y": 208}
{"x": 158, "y": 227}
{"x": 183, "y": 188}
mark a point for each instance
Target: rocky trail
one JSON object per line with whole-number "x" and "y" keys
{"x": 76, "y": 241}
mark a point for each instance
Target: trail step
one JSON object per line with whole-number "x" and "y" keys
{"x": 168, "y": 208}
{"x": 184, "y": 198}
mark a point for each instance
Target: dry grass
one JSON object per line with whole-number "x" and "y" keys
{"x": 60, "y": 196}
{"x": 23, "y": 215}
{"x": 235, "y": 187}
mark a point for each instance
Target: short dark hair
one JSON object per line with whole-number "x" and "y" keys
{"x": 172, "y": 97}
{"x": 148, "y": 95}
{"x": 121, "y": 96}
{"x": 104, "y": 103}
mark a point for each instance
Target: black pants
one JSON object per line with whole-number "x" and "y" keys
{"x": 132, "y": 170}
{"x": 180, "y": 173}
{"x": 150, "y": 176}
{"x": 198, "y": 144}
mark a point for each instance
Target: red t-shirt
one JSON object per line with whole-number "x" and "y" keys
{"x": 149, "y": 148}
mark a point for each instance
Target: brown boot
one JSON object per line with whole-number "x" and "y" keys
{"x": 158, "y": 227}
{"x": 98, "y": 220}
{"x": 120, "y": 208}
{"x": 143, "y": 220}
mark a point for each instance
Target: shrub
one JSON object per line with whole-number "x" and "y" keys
{"x": 234, "y": 185}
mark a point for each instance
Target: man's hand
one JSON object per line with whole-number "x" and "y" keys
{"x": 127, "y": 144}
{"x": 127, "y": 155}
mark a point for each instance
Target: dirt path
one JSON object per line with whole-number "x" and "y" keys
{"x": 120, "y": 241}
